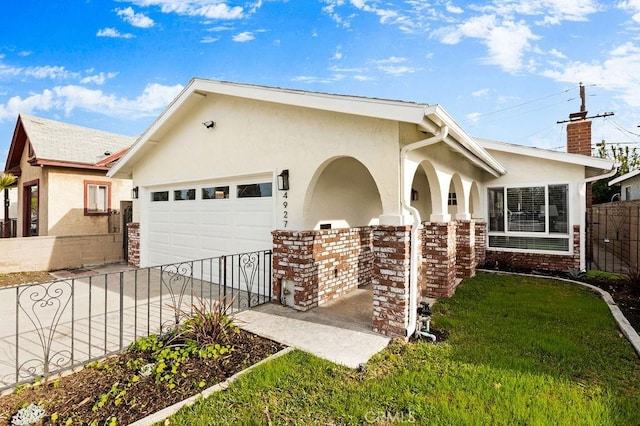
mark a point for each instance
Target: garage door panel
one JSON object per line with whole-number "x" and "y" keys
{"x": 204, "y": 228}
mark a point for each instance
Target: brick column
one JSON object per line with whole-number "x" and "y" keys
{"x": 465, "y": 249}
{"x": 481, "y": 243}
{"x": 439, "y": 242}
{"x": 133, "y": 244}
{"x": 293, "y": 261}
{"x": 391, "y": 249}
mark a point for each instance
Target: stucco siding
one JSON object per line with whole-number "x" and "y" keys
{"x": 255, "y": 137}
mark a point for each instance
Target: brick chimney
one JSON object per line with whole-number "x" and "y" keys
{"x": 579, "y": 129}
{"x": 579, "y": 137}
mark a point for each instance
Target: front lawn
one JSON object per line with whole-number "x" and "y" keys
{"x": 520, "y": 351}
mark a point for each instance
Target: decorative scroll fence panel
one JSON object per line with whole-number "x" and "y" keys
{"x": 53, "y": 327}
{"x": 613, "y": 236}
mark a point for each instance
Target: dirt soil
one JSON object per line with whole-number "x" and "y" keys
{"x": 625, "y": 294}
{"x": 24, "y": 278}
{"x": 126, "y": 399}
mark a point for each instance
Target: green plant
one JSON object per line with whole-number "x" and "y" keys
{"x": 633, "y": 277}
{"x": 577, "y": 274}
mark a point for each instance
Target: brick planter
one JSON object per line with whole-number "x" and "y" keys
{"x": 322, "y": 264}
{"x": 481, "y": 243}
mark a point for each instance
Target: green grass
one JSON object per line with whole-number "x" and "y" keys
{"x": 521, "y": 351}
{"x": 604, "y": 275}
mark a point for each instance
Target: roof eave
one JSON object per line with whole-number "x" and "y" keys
{"x": 462, "y": 142}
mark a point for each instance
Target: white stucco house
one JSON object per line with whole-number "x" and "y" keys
{"x": 389, "y": 192}
{"x": 629, "y": 185}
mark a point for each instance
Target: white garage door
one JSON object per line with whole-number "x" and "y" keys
{"x": 209, "y": 220}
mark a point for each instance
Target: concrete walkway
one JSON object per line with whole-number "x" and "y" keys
{"x": 339, "y": 331}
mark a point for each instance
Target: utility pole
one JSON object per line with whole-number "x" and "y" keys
{"x": 582, "y": 115}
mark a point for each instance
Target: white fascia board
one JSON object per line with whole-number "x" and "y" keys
{"x": 624, "y": 177}
{"x": 577, "y": 159}
{"x": 369, "y": 107}
{"x": 462, "y": 142}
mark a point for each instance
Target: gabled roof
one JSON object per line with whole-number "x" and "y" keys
{"x": 595, "y": 163}
{"x": 626, "y": 176}
{"x": 429, "y": 117}
{"x": 54, "y": 143}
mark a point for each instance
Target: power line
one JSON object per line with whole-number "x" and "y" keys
{"x": 523, "y": 103}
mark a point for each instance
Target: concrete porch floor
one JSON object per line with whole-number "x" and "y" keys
{"x": 339, "y": 331}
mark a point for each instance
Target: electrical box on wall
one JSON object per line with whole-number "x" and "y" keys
{"x": 287, "y": 289}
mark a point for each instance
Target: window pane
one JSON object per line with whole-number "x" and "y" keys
{"x": 92, "y": 204}
{"x": 184, "y": 194}
{"x": 160, "y": 196}
{"x": 529, "y": 243}
{"x": 558, "y": 209}
{"x": 526, "y": 209}
{"x": 254, "y": 190}
{"x": 496, "y": 209}
{"x": 215, "y": 193}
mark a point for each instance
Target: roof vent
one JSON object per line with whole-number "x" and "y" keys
{"x": 107, "y": 153}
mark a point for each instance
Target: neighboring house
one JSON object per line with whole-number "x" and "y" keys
{"x": 629, "y": 185}
{"x": 62, "y": 188}
{"x": 12, "y": 212}
{"x": 362, "y": 174}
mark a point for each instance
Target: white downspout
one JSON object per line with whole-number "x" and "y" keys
{"x": 583, "y": 210}
{"x": 415, "y": 253}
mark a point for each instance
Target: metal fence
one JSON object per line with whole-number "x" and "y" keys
{"x": 613, "y": 236}
{"x": 8, "y": 228}
{"x": 57, "y": 326}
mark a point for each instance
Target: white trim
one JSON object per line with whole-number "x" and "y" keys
{"x": 624, "y": 177}
{"x": 422, "y": 115}
{"x": 577, "y": 159}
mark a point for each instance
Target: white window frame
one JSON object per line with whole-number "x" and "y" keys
{"x": 97, "y": 201}
{"x": 546, "y": 234}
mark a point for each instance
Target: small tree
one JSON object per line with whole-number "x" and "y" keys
{"x": 627, "y": 158}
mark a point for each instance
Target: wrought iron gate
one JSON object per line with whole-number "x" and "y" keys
{"x": 613, "y": 236}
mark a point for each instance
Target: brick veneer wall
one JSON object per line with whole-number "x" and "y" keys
{"x": 541, "y": 261}
{"x": 133, "y": 244}
{"x": 391, "y": 250}
{"x": 481, "y": 243}
{"x": 323, "y": 264}
{"x": 439, "y": 258}
{"x": 465, "y": 249}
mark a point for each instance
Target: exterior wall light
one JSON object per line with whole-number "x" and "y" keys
{"x": 209, "y": 124}
{"x": 134, "y": 193}
{"x": 283, "y": 180}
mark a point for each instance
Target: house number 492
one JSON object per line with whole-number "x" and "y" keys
{"x": 285, "y": 212}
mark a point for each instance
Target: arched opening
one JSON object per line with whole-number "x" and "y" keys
{"x": 475, "y": 208}
{"x": 425, "y": 191}
{"x": 345, "y": 195}
{"x": 456, "y": 202}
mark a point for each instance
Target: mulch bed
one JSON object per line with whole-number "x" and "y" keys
{"x": 77, "y": 396}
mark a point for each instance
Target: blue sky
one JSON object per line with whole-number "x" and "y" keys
{"x": 504, "y": 69}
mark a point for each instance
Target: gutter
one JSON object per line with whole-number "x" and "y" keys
{"x": 414, "y": 251}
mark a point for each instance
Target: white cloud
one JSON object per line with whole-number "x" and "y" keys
{"x": 70, "y": 97}
{"x": 338, "y": 54}
{"x": 99, "y": 78}
{"x": 473, "y": 117}
{"x": 451, "y": 8}
{"x": 47, "y": 71}
{"x": 139, "y": 20}
{"x": 632, "y": 7}
{"x": 243, "y": 37}
{"x": 480, "y": 93}
{"x": 113, "y": 33}
{"x": 556, "y": 53}
{"x": 207, "y": 40}
{"x": 199, "y": 8}
{"x": 619, "y": 72}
